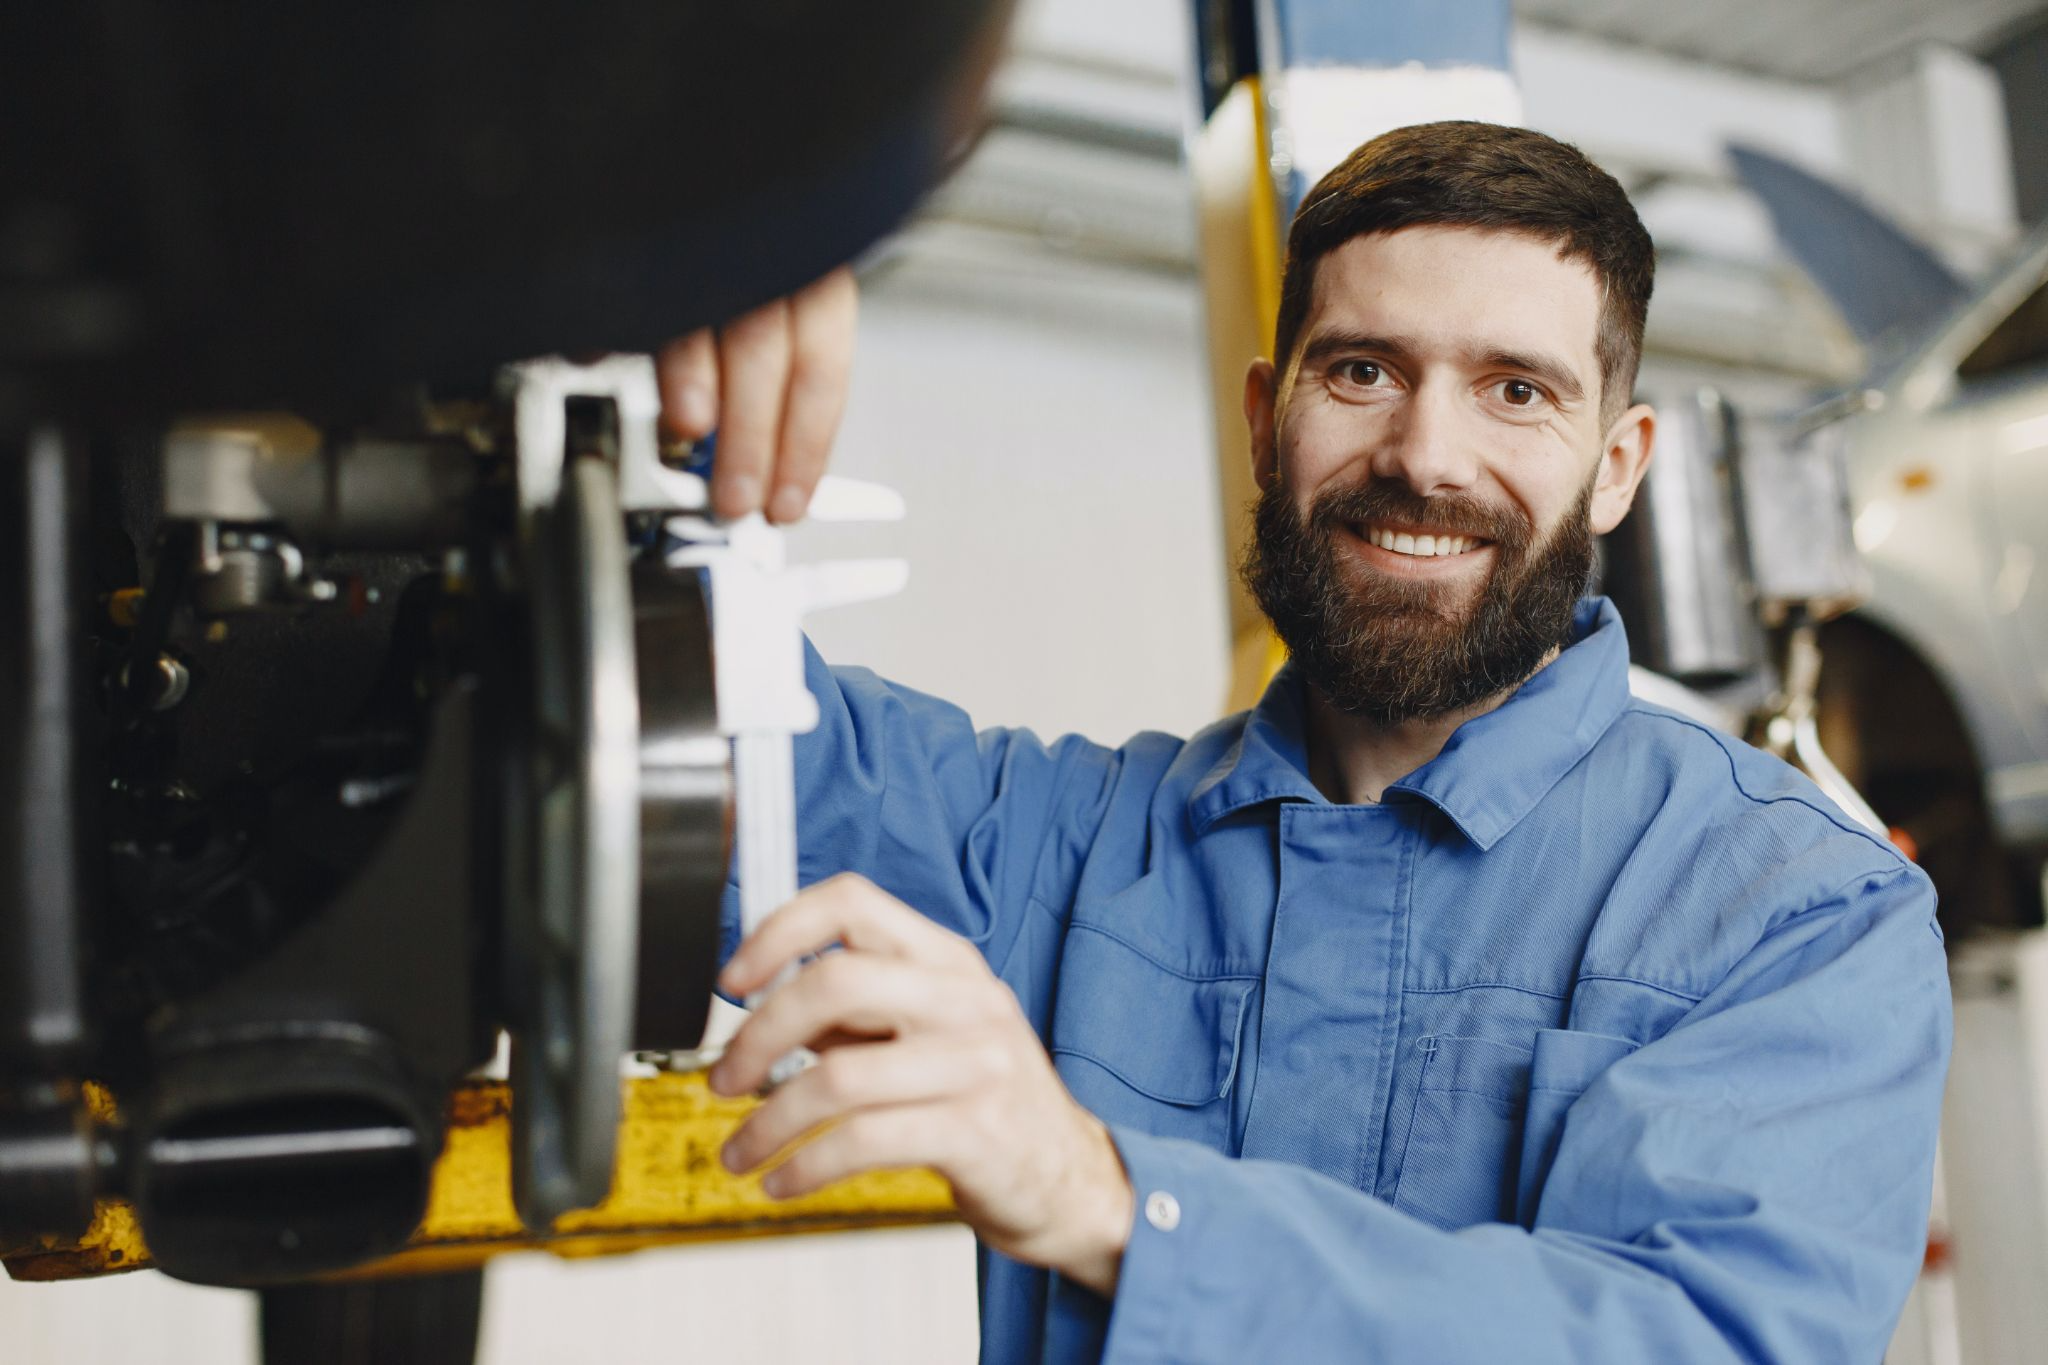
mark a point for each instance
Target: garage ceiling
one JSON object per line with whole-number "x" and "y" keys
{"x": 1796, "y": 39}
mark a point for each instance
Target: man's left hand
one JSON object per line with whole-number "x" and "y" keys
{"x": 925, "y": 1059}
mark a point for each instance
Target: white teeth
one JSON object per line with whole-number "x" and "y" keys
{"x": 1422, "y": 547}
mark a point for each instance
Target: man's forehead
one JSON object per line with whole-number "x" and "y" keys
{"x": 1468, "y": 288}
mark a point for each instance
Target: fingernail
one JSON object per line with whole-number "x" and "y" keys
{"x": 772, "y": 1183}
{"x": 718, "y": 1079}
{"x": 729, "y": 1157}
{"x": 743, "y": 491}
{"x": 789, "y": 503}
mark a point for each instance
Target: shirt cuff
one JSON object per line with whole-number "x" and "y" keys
{"x": 1154, "y": 1314}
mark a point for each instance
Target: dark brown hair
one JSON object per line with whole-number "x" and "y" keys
{"x": 1482, "y": 175}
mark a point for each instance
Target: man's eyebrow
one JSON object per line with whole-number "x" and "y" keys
{"x": 1339, "y": 341}
{"x": 1552, "y": 371}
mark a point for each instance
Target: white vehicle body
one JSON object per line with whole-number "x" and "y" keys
{"x": 1948, "y": 480}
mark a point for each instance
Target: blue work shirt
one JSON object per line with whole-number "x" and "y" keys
{"x": 1602, "y": 1037}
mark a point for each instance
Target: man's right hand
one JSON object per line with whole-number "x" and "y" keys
{"x": 773, "y": 383}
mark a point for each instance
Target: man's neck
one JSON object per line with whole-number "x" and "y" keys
{"x": 1352, "y": 761}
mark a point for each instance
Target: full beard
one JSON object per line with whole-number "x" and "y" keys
{"x": 1388, "y": 650}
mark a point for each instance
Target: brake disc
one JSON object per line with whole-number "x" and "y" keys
{"x": 575, "y": 945}
{"x": 629, "y": 826}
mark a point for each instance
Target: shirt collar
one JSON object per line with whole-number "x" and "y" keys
{"x": 1493, "y": 769}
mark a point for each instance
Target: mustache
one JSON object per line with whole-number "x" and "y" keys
{"x": 1392, "y": 500}
{"x": 1391, "y": 651}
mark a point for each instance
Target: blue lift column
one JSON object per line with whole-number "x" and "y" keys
{"x": 1287, "y": 89}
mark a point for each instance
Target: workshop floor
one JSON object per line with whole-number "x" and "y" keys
{"x": 900, "y": 1297}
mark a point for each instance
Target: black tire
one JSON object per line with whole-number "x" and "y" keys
{"x": 1890, "y": 723}
{"x": 417, "y": 1320}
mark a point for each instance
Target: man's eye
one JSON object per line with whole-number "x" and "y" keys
{"x": 1519, "y": 392}
{"x": 1363, "y": 373}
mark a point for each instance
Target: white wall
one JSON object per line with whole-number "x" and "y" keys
{"x": 1926, "y": 135}
{"x": 141, "y": 1318}
{"x": 874, "y": 1298}
{"x": 1047, "y": 423}
{"x": 870, "y": 1298}
{"x": 1146, "y": 34}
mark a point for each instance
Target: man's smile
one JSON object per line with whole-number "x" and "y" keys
{"x": 1410, "y": 548}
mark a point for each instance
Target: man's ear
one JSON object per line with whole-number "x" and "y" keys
{"x": 1259, "y": 397}
{"x": 1624, "y": 459}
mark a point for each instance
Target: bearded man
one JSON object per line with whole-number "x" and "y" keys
{"x": 1450, "y": 1005}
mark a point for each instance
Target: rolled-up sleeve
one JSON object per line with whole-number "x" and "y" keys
{"x": 1752, "y": 1186}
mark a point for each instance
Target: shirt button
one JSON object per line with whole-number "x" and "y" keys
{"x": 1162, "y": 1210}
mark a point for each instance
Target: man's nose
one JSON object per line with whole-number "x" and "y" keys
{"x": 1426, "y": 445}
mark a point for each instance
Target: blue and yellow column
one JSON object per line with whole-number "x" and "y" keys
{"x": 1287, "y": 89}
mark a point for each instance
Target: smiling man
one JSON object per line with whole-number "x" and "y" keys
{"x": 1451, "y": 1005}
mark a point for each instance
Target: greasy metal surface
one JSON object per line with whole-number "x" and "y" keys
{"x": 331, "y": 1018}
{"x": 1678, "y": 566}
{"x": 260, "y": 468}
{"x": 43, "y": 703}
{"x": 668, "y": 1188}
{"x": 685, "y": 809}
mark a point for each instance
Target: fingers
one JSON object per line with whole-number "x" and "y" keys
{"x": 822, "y": 324}
{"x": 859, "y": 1077}
{"x": 854, "y": 993}
{"x": 755, "y": 353}
{"x": 687, "y": 370}
{"x": 847, "y": 910}
{"x": 875, "y": 1139}
{"x": 773, "y": 382}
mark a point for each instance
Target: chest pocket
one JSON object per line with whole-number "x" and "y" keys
{"x": 1488, "y": 1117}
{"x": 1140, "y": 1043}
